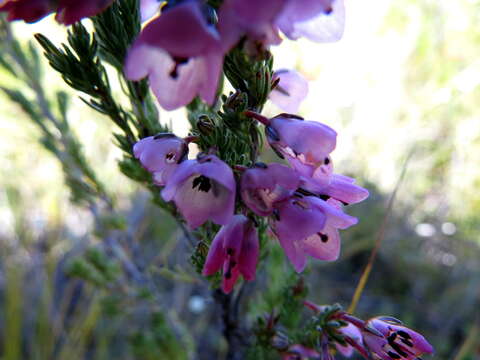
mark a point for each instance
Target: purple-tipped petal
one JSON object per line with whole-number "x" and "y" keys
{"x": 161, "y": 155}
{"x": 149, "y": 8}
{"x": 397, "y": 342}
{"x": 215, "y": 257}
{"x": 263, "y": 187}
{"x": 345, "y": 191}
{"x": 236, "y": 249}
{"x": 307, "y": 142}
{"x": 353, "y": 333}
{"x": 250, "y": 253}
{"x": 291, "y": 90}
{"x": 28, "y": 10}
{"x": 324, "y": 27}
{"x": 71, "y": 11}
{"x": 181, "y": 54}
{"x": 335, "y": 216}
{"x": 182, "y": 32}
{"x": 202, "y": 190}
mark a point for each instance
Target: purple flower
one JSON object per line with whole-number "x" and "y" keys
{"x": 180, "y": 53}
{"x": 352, "y": 332}
{"x": 27, "y": 10}
{"x": 325, "y": 26}
{"x": 235, "y": 249}
{"x": 68, "y": 11}
{"x": 256, "y": 19}
{"x": 161, "y": 155}
{"x": 202, "y": 189}
{"x": 261, "y": 21}
{"x": 71, "y": 11}
{"x": 305, "y": 144}
{"x": 290, "y": 91}
{"x": 264, "y": 186}
{"x": 309, "y": 226}
{"x": 388, "y": 339}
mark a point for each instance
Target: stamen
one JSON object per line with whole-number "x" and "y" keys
{"x": 393, "y": 355}
{"x": 203, "y": 183}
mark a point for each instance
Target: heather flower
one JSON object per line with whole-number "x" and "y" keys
{"x": 305, "y": 144}
{"x": 299, "y": 352}
{"x": 388, "y": 339}
{"x": 352, "y": 332}
{"x": 202, "y": 189}
{"x": 309, "y": 226}
{"x": 261, "y": 21}
{"x": 161, "y": 155}
{"x": 235, "y": 249}
{"x": 68, "y": 11}
{"x": 291, "y": 90}
{"x": 180, "y": 53}
{"x": 71, "y": 11}
{"x": 256, "y": 19}
{"x": 325, "y": 26}
{"x": 265, "y": 185}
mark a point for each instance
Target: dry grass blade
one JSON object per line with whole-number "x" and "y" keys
{"x": 378, "y": 241}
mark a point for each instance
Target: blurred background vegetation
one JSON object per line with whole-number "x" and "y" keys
{"x": 404, "y": 83}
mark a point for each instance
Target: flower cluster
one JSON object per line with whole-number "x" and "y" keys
{"x": 382, "y": 337}
{"x": 303, "y": 202}
{"x": 182, "y": 50}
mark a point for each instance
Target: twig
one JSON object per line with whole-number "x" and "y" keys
{"x": 379, "y": 238}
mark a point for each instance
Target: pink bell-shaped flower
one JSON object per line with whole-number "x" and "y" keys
{"x": 388, "y": 339}
{"x": 309, "y": 226}
{"x": 305, "y": 144}
{"x": 235, "y": 249}
{"x": 202, "y": 189}
{"x": 290, "y": 91}
{"x": 181, "y": 55}
{"x": 161, "y": 155}
{"x": 265, "y": 185}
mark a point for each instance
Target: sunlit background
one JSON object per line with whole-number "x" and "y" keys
{"x": 401, "y": 89}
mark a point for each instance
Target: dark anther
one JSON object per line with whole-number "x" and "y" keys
{"x": 393, "y": 355}
{"x": 272, "y": 134}
{"x": 326, "y": 161}
{"x": 233, "y": 264}
{"x": 407, "y": 342}
{"x": 404, "y": 334}
{"x": 276, "y": 214}
{"x": 178, "y": 61}
{"x": 323, "y": 237}
{"x": 324, "y": 197}
{"x": 164, "y": 135}
{"x": 261, "y": 165}
{"x": 203, "y": 183}
{"x": 228, "y": 274}
{"x": 289, "y": 116}
{"x": 170, "y": 156}
{"x": 398, "y": 349}
{"x": 344, "y": 203}
{"x": 392, "y": 337}
{"x": 230, "y": 251}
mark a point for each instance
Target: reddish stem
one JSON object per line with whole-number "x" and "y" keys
{"x": 359, "y": 323}
{"x": 190, "y": 139}
{"x": 252, "y": 114}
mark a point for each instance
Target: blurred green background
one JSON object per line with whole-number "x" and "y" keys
{"x": 404, "y": 83}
